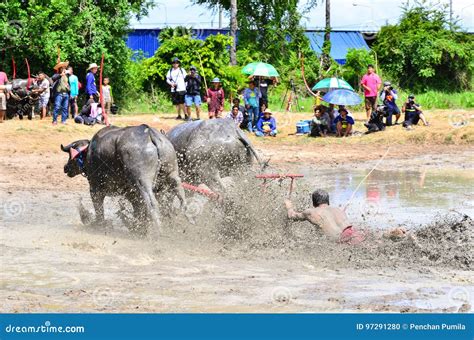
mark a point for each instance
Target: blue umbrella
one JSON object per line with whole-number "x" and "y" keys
{"x": 342, "y": 97}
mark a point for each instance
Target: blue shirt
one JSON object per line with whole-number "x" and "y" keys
{"x": 251, "y": 97}
{"x": 270, "y": 122}
{"x": 74, "y": 85}
{"x": 91, "y": 89}
{"x": 347, "y": 120}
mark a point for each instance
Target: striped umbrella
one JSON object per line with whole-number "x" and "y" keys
{"x": 260, "y": 69}
{"x": 328, "y": 84}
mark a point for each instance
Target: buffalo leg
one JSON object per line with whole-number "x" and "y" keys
{"x": 150, "y": 205}
{"x": 177, "y": 188}
{"x": 98, "y": 202}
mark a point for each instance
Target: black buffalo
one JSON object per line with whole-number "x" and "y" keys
{"x": 136, "y": 162}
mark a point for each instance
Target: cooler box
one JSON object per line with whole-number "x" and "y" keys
{"x": 303, "y": 127}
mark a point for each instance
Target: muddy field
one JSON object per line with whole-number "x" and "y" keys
{"x": 244, "y": 257}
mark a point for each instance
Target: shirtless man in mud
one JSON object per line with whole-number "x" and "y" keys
{"x": 333, "y": 221}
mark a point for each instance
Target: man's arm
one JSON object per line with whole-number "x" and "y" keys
{"x": 292, "y": 213}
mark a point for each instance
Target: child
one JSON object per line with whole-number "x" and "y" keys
{"x": 413, "y": 114}
{"x": 320, "y": 122}
{"x": 266, "y": 126}
{"x": 107, "y": 93}
{"x": 245, "y": 115}
{"x": 344, "y": 123}
{"x": 215, "y": 99}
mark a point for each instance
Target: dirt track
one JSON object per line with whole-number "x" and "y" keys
{"x": 52, "y": 263}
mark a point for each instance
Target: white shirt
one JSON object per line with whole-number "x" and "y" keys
{"x": 176, "y": 76}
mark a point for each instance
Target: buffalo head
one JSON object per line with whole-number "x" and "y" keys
{"x": 77, "y": 157}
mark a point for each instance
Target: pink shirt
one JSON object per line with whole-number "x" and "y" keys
{"x": 3, "y": 78}
{"x": 372, "y": 81}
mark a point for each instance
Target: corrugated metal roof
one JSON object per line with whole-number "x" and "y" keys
{"x": 146, "y": 40}
{"x": 341, "y": 41}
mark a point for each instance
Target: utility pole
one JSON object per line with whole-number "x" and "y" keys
{"x": 451, "y": 14}
{"x": 328, "y": 21}
{"x": 233, "y": 32}
{"x": 220, "y": 16}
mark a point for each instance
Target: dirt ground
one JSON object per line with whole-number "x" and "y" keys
{"x": 52, "y": 263}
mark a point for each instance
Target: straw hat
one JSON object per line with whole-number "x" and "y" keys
{"x": 267, "y": 111}
{"x": 61, "y": 64}
{"x": 91, "y": 66}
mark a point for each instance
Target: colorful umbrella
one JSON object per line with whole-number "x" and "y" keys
{"x": 328, "y": 84}
{"x": 342, "y": 97}
{"x": 260, "y": 69}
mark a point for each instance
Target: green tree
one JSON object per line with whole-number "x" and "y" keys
{"x": 82, "y": 29}
{"x": 421, "y": 52}
{"x": 356, "y": 65}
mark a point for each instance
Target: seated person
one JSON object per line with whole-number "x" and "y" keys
{"x": 388, "y": 96}
{"x": 266, "y": 125}
{"x": 88, "y": 114}
{"x": 236, "y": 115}
{"x": 375, "y": 122}
{"x": 344, "y": 123}
{"x": 332, "y": 112}
{"x": 413, "y": 114}
{"x": 320, "y": 122}
{"x": 263, "y": 107}
{"x": 245, "y": 114}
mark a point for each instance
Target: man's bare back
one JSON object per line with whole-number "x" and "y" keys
{"x": 331, "y": 220}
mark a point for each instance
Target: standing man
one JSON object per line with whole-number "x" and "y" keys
{"x": 193, "y": 92}
{"x": 61, "y": 97}
{"x": 175, "y": 79}
{"x": 3, "y": 95}
{"x": 251, "y": 99}
{"x": 91, "y": 88}
{"x": 44, "y": 92}
{"x": 371, "y": 83}
{"x": 74, "y": 91}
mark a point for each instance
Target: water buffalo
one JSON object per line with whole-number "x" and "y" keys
{"x": 22, "y": 100}
{"x": 211, "y": 149}
{"x": 135, "y": 162}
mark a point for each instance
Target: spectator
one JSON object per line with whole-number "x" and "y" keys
{"x": 91, "y": 88}
{"x": 245, "y": 115}
{"x": 3, "y": 95}
{"x": 251, "y": 100}
{"x": 263, "y": 84}
{"x": 215, "y": 99}
{"x": 44, "y": 92}
{"x": 332, "y": 112}
{"x": 236, "y": 115}
{"x": 344, "y": 123}
{"x": 193, "y": 92}
{"x": 266, "y": 126}
{"x": 74, "y": 91}
{"x": 413, "y": 113}
{"x": 61, "y": 96}
{"x": 84, "y": 117}
{"x": 388, "y": 96}
{"x": 175, "y": 79}
{"x": 371, "y": 83}
{"x": 107, "y": 93}
{"x": 320, "y": 122}
{"x": 262, "y": 109}
{"x": 375, "y": 122}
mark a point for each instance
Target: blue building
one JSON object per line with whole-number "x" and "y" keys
{"x": 146, "y": 40}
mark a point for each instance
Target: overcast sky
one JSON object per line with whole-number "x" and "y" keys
{"x": 364, "y": 15}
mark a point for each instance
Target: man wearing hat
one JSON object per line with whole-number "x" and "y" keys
{"x": 60, "y": 93}
{"x": 91, "y": 88}
{"x": 175, "y": 79}
{"x": 388, "y": 96}
{"x": 215, "y": 99}
{"x": 266, "y": 125}
{"x": 193, "y": 92}
{"x": 413, "y": 113}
